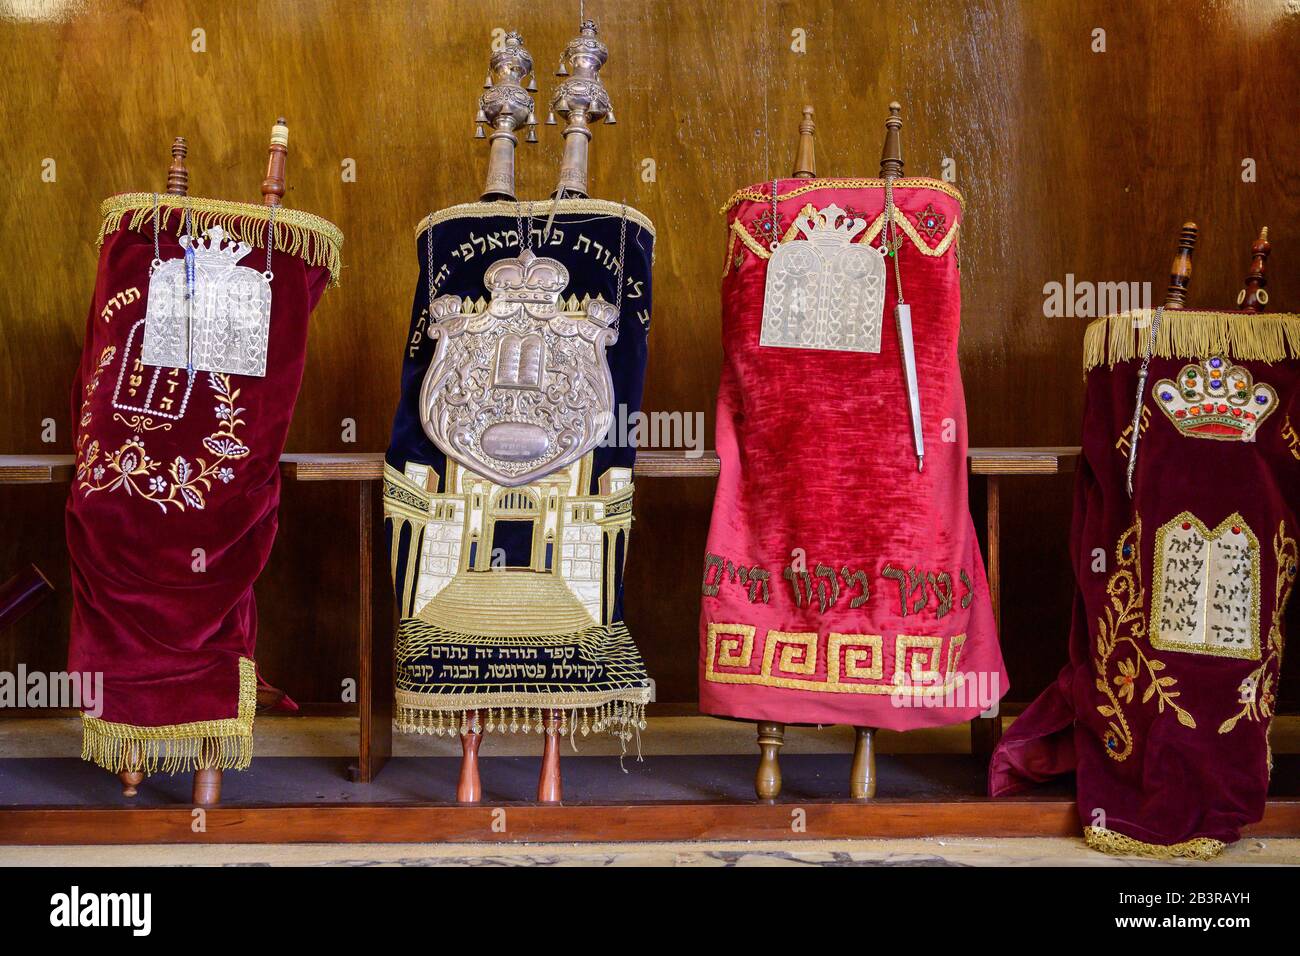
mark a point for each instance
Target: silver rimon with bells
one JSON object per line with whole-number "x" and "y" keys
{"x": 523, "y": 387}
{"x": 826, "y": 293}
{"x": 217, "y": 320}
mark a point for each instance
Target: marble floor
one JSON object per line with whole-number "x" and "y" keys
{"x": 922, "y": 852}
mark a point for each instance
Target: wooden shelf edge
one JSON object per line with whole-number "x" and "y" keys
{"x": 568, "y": 823}
{"x": 369, "y": 466}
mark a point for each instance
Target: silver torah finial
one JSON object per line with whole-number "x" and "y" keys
{"x": 581, "y": 99}
{"x": 505, "y": 106}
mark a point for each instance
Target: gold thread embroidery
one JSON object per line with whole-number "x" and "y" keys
{"x": 175, "y": 748}
{"x": 917, "y": 673}
{"x": 843, "y": 670}
{"x": 726, "y": 655}
{"x": 1258, "y": 690}
{"x": 1109, "y": 841}
{"x": 754, "y": 246}
{"x": 315, "y": 240}
{"x": 1126, "y": 593}
{"x": 844, "y": 654}
{"x": 131, "y": 469}
{"x": 1161, "y": 558}
{"x": 791, "y": 643}
{"x": 915, "y": 182}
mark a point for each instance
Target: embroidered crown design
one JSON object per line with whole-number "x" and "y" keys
{"x": 215, "y": 248}
{"x": 1215, "y": 399}
{"x": 831, "y": 226}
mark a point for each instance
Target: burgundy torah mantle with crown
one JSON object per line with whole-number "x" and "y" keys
{"x": 842, "y": 584}
{"x": 182, "y": 404}
{"x": 1163, "y": 712}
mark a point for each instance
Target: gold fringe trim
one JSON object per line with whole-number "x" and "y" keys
{"x": 541, "y": 207}
{"x": 315, "y": 240}
{"x": 176, "y": 748}
{"x": 758, "y": 249}
{"x": 754, "y": 194}
{"x": 1117, "y": 844}
{"x": 1267, "y": 337}
{"x": 621, "y": 716}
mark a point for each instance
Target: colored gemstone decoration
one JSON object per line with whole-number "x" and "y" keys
{"x": 1165, "y": 396}
{"x": 930, "y": 221}
{"x": 1216, "y": 383}
{"x": 766, "y": 227}
{"x": 1262, "y": 399}
{"x": 1187, "y": 526}
{"x": 1216, "y": 362}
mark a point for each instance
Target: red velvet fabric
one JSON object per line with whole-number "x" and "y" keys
{"x": 1145, "y": 770}
{"x": 817, "y": 454}
{"x": 167, "y": 638}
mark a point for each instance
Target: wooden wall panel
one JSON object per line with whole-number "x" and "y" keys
{"x": 1071, "y": 161}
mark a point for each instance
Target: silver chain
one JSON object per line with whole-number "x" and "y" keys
{"x": 157, "y": 256}
{"x": 889, "y": 236}
{"x": 776, "y": 229}
{"x": 1135, "y": 430}
{"x": 622, "y": 249}
{"x": 270, "y": 243}
{"x": 525, "y": 236}
{"x": 428, "y": 270}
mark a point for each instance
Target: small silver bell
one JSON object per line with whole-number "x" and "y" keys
{"x": 532, "y": 134}
{"x": 562, "y": 71}
{"x": 532, "y": 82}
{"x": 487, "y": 82}
{"x": 550, "y": 119}
{"x": 478, "y": 132}
{"x": 480, "y": 117}
{"x": 609, "y": 118}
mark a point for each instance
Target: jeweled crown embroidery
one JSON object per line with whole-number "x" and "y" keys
{"x": 1216, "y": 399}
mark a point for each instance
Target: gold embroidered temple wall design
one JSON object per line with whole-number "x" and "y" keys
{"x": 483, "y": 555}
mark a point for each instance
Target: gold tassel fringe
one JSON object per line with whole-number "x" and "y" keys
{"x": 315, "y": 240}
{"x": 1117, "y": 844}
{"x": 602, "y": 207}
{"x": 177, "y": 748}
{"x": 622, "y": 719}
{"x": 754, "y": 194}
{"x": 1266, "y": 337}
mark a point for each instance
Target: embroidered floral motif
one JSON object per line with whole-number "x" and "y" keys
{"x": 1258, "y": 690}
{"x": 1123, "y": 623}
{"x": 930, "y": 221}
{"x": 185, "y": 483}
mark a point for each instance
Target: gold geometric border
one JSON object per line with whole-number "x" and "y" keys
{"x": 916, "y": 182}
{"x": 754, "y": 246}
{"x": 839, "y": 665}
{"x": 1250, "y": 653}
{"x": 907, "y": 642}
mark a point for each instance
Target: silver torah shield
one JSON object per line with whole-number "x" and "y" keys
{"x": 224, "y": 326}
{"x": 522, "y": 387}
{"x": 828, "y": 292}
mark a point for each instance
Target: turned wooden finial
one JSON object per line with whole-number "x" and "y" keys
{"x": 178, "y": 177}
{"x": 767, "y": 781}
{"x": 891, "y": 155}
{"x": 805, "y": 160}
{"x": 273, "y": 184}
{"x": 1253, "y": 298}
{"x": 1180, "y": 273}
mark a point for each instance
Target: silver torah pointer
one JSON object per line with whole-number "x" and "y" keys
{"x": 891, "y": 168}
{"x": 903, "y": 315}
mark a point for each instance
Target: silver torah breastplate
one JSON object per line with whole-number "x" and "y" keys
{"x": 225, "y": 326}
{"x": 521, "y": 388}
{"x": 825, "y": 293}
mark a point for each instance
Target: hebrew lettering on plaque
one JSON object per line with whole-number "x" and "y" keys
{"x": 1206, "y": 595}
